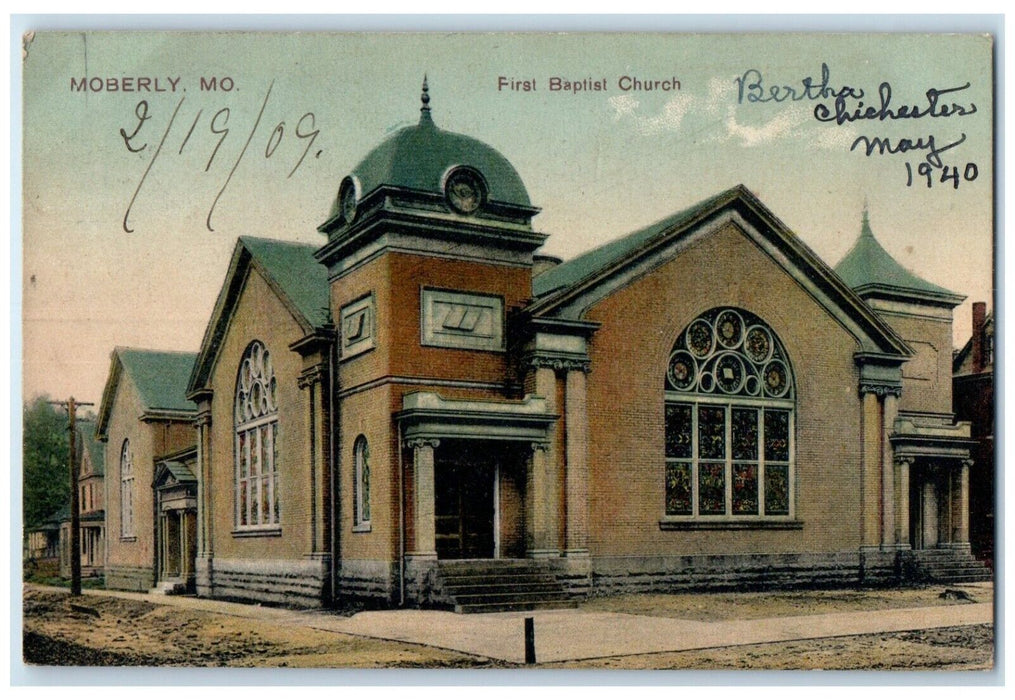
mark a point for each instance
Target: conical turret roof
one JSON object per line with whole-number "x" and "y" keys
{"x": 870, "y": 270}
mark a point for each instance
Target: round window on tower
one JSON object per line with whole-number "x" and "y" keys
{"x": 465, "y": 190}
{"x": 347, "y": 199}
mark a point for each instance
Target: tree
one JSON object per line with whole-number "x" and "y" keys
{"x": 46, "y": 452}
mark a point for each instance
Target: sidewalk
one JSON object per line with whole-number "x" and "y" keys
{"x": 570, "y": 635}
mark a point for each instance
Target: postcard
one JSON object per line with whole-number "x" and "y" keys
{"x": 493, "y": 350}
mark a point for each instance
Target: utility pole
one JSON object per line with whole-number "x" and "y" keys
{"x": 75, "y": 504}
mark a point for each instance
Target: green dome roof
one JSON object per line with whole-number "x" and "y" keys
{"x": 419, "y": 158}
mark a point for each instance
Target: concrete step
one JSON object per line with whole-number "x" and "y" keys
{"x": 507, "y": 597}
{"x": 169, "y": 588}
{"x": 950, "y": 566}
{"x": 513, "y": 579}
{"x": 559, "y": 604}
{"x": 492, "y": 585}
{"x": 490, "y": 588}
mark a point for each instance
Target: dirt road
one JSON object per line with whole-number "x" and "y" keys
{"x": 97, "y": 630}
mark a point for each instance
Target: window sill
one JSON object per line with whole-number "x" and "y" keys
{"x": 128, "y": 538}
{"x": 674, "y": 524}
{"x": 274, "y": 531}
{"x": 362, "y": 527}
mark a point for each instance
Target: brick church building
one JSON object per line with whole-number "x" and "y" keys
{"x": 424, "y": 398}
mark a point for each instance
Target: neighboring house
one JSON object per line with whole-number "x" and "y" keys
{"x": 43, "y": 542}
{"x": 703, "y": 402}
{"x": 973, "y": 386}
{"x": 90, "y": 453}
{"x": 143, "y": 419}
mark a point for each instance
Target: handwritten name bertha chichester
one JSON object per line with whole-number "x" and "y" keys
{"x": 124, "y": 84}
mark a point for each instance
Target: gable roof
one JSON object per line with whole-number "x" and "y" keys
{"x": 593, "y": 261}
{"x": 570, "y": 282}
{"x": 869, "y": 269}
{"x": 91, "y": 445}
{"x": 959, "y": 357}
{"x": 160, "y": 377}
{"x": 293, "y": 268}
{"x": 293, "y": 274}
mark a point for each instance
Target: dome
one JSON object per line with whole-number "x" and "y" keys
{"x": 422, "y": 156}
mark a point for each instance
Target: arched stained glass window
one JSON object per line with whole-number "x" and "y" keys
{"x": 126, "y": 490}
{"x": 256, "y": 416}
{"x": 730, "y": 402}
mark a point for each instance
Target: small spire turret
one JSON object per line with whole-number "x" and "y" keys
{"x": 865, "y": 222}
{"x": 424, "y": 110}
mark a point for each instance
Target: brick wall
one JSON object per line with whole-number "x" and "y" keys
{"x": 260, "y": 315}
{"x": 625, "y": 403}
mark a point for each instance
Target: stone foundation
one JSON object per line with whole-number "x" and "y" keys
{"x": 368, "y": 579}
{"x": 660, "y": 574}
{"x": 304, "y": 583}
{"x": 290, "y": 583}
{"x": 129, "y": 578}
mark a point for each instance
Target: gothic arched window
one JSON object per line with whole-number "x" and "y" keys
{"x": 126, "y": 491}
{"x": 256, "y": 416}
{"x": 730, "y": 403}
{"x": 361, "y": 481}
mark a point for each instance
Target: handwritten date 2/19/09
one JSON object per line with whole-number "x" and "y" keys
{"x": 218, "y": 125}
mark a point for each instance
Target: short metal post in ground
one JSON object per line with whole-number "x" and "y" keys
{"x": 530, "y": 641}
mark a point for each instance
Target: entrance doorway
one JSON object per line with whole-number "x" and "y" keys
{"x": 177, "y": 545}
{"x": 465, "y": 476}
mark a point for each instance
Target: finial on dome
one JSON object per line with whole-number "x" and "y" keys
{"x": 865, "y": 222}
{"x": 425, "y": 99}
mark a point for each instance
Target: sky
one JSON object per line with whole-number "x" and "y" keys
{"x": 133, "y": 199}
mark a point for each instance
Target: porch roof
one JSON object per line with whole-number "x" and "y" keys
{"x": 426, "y": 415}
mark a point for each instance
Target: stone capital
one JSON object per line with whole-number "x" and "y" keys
{"x": 413, "y": 443}
{"x": 540, "y": 446}
{"x": 310, "y": 376}
{"x": 880, "y": 389}
{"x": 560, "y": 364}
{"x": 203, "y": 419}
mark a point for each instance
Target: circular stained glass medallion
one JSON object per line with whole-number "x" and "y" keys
{"x": 776, "y": 379}
{"x": 758, "y": 345}
{"x": 699, "y": 338}
{"x": 707, "y": 382}
{"x": 729, "y": 373}
{"x": 683, "y": 370}
{"x": 729, "y": 328}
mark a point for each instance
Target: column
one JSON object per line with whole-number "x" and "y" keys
{"x": 312, "y": 380}
{"x": 962, "y": 536}
{"x": 424, "y": 545}
{"x": 204, "y": 486}
{"x": 546, "y": 387}
{"x": 540, "y": 507}
{"x": 888, "y": 473}
{"x": 577, "y": 484}
{"x": 902, "y": 465}
{"x": 930, "y": 514}
{"x": 870, "y": 486}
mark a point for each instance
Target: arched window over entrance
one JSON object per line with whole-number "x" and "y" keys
{"x": 730, "y": 410}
